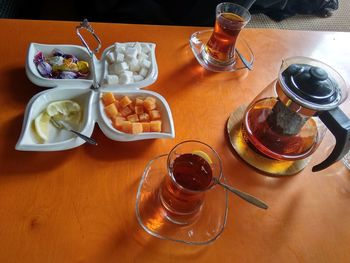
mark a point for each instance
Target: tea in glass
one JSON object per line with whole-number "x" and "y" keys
{"x": 191, "y": 167}
{"x": 230, "y": 20}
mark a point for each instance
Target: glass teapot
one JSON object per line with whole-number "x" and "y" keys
{"x": 289, "y": 118}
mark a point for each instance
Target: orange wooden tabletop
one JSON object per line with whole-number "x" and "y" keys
{"x": 78, "y": 205}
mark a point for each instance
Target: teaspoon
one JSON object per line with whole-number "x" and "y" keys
{"x": 247, "y": 197}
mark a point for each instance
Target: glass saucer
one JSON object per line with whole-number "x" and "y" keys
{"x": 153, "y": 217}
{"x": 199, "y": 39}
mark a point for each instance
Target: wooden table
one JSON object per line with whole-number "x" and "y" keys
{"x": 78, "y": 205}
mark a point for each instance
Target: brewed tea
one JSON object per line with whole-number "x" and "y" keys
{"x": 265, "y": 136}
{"x": 221, "y": 45}
{"x": 182, "y": 195}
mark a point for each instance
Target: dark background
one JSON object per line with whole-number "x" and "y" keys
{"x": 163, "y": 12}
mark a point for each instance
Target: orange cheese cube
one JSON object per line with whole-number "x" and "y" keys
{"x": 155, "y": 126}
{"x": 126, "y": 111}
{"x": 139, "y": 102}
{"x": 150, "y": 103}
{"x": 133, "y": 118}
{"x": 108, "y": 98}
{"x": 117, "y": 104}
{"x": 144, "y": 117}
{"x": 111, "y": 110}
{"x": 125, "y": 101}
{"x": 117, "y": 122}
{"x": 126, "y": 127}
{"x": 146, "y": 126}
{"x": 155, "y": 115}
{"x": 139, "y": 109}
{"x": 136, "y": 128}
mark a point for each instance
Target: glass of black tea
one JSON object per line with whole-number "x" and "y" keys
{"x": 230, "y": 20}
{"x": 191, "y": 167}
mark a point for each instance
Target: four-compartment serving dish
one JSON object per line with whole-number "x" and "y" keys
{"x": 80, "y": 90}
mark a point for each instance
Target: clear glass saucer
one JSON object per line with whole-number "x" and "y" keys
{"x": 199, "y": 39}
{"x": 152, "y": 217}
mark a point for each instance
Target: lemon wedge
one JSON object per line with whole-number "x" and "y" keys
{"x": 41, "y": 125}
{"x": 204, "y": 155}
{"x": 66, "y": 110}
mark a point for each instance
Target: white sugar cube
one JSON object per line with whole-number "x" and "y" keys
{"x": 143, "y": 72}
{"x": 134, "y": 65}
{"x": 119, "y": 48}
{"x": 128, "y": 73}
{"x": 112, "y": 79}
{"x": 110, "y": 57}
{"x": 145, "y": 63}
{"x": 125, "y": 79}
{"x": 119, "y": 57}
{"x": 145, "y": 48}
{"x": 118, "y": 68}
{"x": 131, "y": 52}
{"x": 138, "y": 47}
{"x": 138, "y": 78}
{"x": 142, "y": 56}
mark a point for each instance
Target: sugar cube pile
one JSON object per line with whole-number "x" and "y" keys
{"x": 128, "y": 63}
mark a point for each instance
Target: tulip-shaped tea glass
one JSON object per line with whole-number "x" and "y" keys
{"x": 178, "y": 198}
{"x": 217, "y": 51}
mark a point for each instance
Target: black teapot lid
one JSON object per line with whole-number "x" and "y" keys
{"x": 312, "y": 84}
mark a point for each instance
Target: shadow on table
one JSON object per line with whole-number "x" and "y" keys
{"x": 191, "y": 71}
{"x": 21, "y": 162}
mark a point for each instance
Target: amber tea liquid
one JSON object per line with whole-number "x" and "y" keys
{"x": 264, "y": 138}
{"x": 182, "y": 195}
{"x": 221, "y": 45}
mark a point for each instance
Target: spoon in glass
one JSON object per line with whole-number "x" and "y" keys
{"x": 247, "y": 197}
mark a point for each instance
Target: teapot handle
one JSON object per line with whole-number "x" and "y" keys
{"x": 339, "y": 125}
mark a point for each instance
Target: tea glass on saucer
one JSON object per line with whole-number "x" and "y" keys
{"x": 177, "y": 198}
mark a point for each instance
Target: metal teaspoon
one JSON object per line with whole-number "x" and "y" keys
{"x": 247, "y": 197}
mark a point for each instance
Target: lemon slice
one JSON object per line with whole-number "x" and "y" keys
{"x": 204, "y": 155}
{"x": 41, "y": 125}
{"x": 66, "y": 110}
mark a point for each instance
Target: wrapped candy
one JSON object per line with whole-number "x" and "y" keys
{"x": 61, "y": 65}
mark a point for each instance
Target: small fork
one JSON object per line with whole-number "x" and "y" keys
{"x": 60, "y": 125}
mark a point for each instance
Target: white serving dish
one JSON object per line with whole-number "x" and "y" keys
{"x": 80, "y": 90}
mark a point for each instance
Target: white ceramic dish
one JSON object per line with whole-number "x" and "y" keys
{"x": 89, "y": 100}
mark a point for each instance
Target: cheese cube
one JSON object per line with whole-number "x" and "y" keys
{"x": 136, "y": 128}
{"x": 126, "y": 111}
{"x": 125, "y": 101}
{"x": 146, "y": 126}
{"x": 139, "y": 109}
{"x": 144, "y": 117}
{"x": 126, "y": 127}
{"x": 155, "y": 115}
{"x": 111, "y": 111}
{"x": 117, "y": 122}
{"x": 139, "y": 101}
{"x": 133, "y": 118}
{"x": 108, "y": 98}
{"x": 155, "y": 126}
